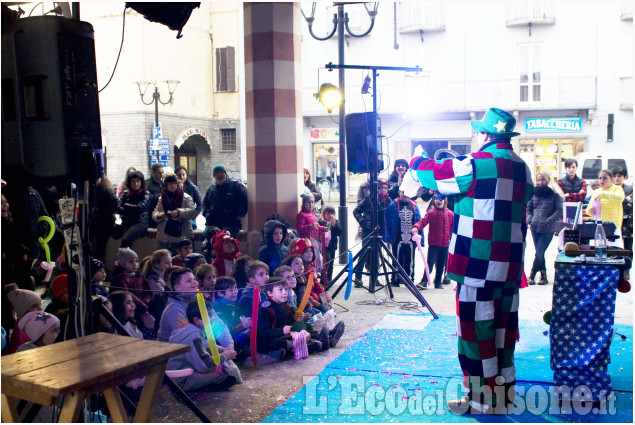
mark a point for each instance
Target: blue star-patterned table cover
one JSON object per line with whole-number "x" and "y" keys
{"x": 581, "y": 329}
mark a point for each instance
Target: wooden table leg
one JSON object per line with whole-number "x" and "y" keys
{"x": 71, "y": 407}
{"x": 115, "y": 405}
{"x": 9, "y": 411}
{"x": 151, "y": 387}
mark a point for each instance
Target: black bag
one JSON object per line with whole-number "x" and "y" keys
{"x": 173, "y": 227}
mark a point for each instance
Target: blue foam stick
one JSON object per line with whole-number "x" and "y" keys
{"x": 349, "y": 283}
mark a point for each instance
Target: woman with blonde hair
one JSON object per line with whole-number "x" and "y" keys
{"x": 543, "y": 210}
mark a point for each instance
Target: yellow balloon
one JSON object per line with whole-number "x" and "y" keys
{"x": 305, "y": 297}
{"x": 208, "y": 328}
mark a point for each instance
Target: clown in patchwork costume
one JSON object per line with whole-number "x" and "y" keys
{"x": 491, "y": 188}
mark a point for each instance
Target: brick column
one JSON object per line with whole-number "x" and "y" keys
{"x": 273, "y": 110}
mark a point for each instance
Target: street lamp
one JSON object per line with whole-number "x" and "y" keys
{"x": 329, "y": 96}
{"x": 340, "y": 24}
{"x": 156, "y": 96}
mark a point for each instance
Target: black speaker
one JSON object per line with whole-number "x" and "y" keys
{"x": 361, "y": 143}
{"x": 609, "y": 128}
{"x": 50, "y": 110}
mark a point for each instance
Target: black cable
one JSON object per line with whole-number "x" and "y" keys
{"x": 123, "y": 31}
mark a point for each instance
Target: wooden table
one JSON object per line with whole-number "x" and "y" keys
{"x": 84, "y": 366}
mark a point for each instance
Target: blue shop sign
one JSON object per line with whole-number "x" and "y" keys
{"x": 550, "y": 125}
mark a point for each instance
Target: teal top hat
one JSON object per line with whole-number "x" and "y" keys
{"x": 497, "y": 122}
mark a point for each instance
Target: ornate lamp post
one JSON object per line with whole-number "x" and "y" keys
{"x": 156, "y": 96}
{"x": 340, "y": 25}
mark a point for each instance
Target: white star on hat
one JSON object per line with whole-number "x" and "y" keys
{"x": 500, "y": 126}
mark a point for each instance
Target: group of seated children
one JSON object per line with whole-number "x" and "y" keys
{"x": 156, "y": 299}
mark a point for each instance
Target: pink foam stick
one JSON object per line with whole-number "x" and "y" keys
{"x": 417, "y": 239}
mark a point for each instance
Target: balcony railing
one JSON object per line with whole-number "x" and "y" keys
{"x": 539, "y": 12}
{"x": 626, "y": 90}
{"x": 463, "y": 96}
{"x": 417, "y": 16}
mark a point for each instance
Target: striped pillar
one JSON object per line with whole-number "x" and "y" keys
{"x": 273, "y": 110}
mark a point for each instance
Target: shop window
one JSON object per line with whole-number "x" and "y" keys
{"x": 228, "y": 139}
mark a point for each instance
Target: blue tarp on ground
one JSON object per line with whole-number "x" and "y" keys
{"x": 399, "y": 375}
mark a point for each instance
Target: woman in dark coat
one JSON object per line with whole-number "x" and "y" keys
{"x": 543, "y": 210}
{"x": 133, "y": 208}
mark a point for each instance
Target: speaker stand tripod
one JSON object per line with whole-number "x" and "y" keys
{"x": 373, "y": 249}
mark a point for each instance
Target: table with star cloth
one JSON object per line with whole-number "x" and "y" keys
{"x": 581, "y": 328}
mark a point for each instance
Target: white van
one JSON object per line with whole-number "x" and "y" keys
{"x": 591, "y": 163}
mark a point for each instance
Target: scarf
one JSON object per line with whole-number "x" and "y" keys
{"x": 133, "y": 193}
{"x": 542, "y": 191}
{"x": 171, "y": 200}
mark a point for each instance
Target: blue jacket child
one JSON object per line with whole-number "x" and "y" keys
{"x": 273, "y": 251}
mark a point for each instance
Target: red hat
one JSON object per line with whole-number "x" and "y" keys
{"x": 60, "y": 285}
{"x": 300, "y": 245}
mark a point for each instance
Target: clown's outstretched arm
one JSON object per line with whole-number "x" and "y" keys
{"x": 450, "y": 176}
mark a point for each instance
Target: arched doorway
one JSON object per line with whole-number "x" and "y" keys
{"x": 195, "y": 155}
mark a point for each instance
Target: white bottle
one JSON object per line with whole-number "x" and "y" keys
{"x": 600, "y": 241}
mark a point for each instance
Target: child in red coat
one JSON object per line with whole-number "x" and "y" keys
{"x": 226, "y": 249}
{"x": 440, "y": 219}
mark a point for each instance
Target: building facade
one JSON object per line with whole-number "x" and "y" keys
{"x": 564, "y": 69}
{"x": 202, "y": 119}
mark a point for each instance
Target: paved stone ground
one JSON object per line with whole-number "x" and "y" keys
{"x": 269, "y": 385}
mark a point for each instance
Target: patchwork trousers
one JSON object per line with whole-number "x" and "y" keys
{"x": 487, "y": 325}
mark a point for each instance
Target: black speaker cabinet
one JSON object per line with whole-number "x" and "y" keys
{"x": 361, "y": 143}
{"x": 50, "y": 107}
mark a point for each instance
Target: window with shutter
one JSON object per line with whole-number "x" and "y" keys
{"x": 225, "y": 69}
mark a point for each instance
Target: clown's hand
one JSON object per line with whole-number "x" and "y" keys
{"x": 410, "y": 184}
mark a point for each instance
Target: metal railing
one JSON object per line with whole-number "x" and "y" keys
{"x": 462, "y": 96}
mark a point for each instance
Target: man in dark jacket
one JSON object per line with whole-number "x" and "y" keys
{"x": 155, "y": 185}
{"x": 191, "y": 189}
{"x": 224, "y": 203}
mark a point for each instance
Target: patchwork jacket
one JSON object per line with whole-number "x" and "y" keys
{"x": 492, "y": 187}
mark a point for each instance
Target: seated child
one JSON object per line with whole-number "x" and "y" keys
{"x": 206, "y": 247}
{"x": 59, "y": 305}
{"x": 123, "y": 308}
{"x": 23, "y": 301}
{"x": 207, "y": 376}
{"x": 184, "y": 248}
{"x": 126, "y": 276}
{"x": 184, "y": 285}
{"x": 226, "y": 249}
{"x": 239, "y": 272}
{"x": 206, "y": 277}
{"x": 276, "y": 320}
{"x": 305, "y": 250}
{"x": 258, "y": 273}
{"x": 153, "y": 272}
{"x": 193, "y": 260}
{"x": 98, "y": 275}
{"x": 273, "y": 251}
{"x": 227, "y": 309}
{"x": 41, "y": 328}
{"x": 295, "y": 262}
{"x": 286, "y": 272}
